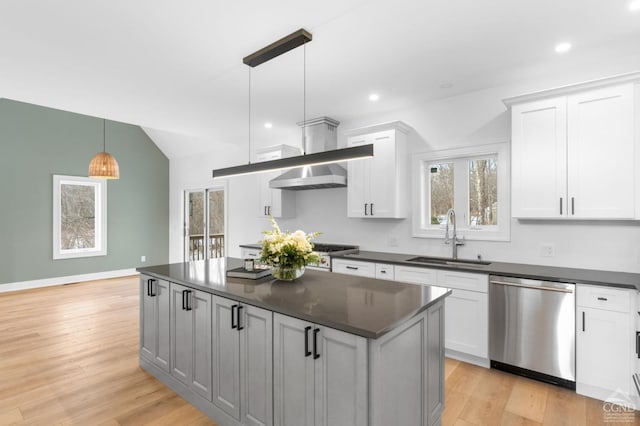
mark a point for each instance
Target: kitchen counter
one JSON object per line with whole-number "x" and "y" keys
{"x": 362, "y": 306}
{"x": 539, "y": 272}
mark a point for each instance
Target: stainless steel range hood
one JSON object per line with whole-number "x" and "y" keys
{"x": 319, "y": 136}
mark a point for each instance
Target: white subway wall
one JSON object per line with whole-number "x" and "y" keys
{"x": 471, "y": 119}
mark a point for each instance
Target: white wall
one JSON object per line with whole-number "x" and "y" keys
{"x": 472, "y": 119}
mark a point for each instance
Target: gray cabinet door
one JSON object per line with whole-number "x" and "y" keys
{"x": 340, "y": 378}
{"x": 181, "y": 336}
{"x": 293, "y": 373}
{"x": 200, "y": 304}
{"x": 226, "y": 357}
{"x": 147, "y": 320}
{"x": 256, "y": 371}
{"x": 163, "y": 325}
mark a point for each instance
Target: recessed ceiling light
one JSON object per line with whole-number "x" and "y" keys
{"x": 268, "y": 125}
{"x": 374, "y": 97}
{"x": 563, "y": 47}
{"x": 634, "y": 5}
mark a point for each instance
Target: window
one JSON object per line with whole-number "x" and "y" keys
{"x": 204, "y": 209}
{"x": 473, "y": 182}
{"x": 79, "y": 217}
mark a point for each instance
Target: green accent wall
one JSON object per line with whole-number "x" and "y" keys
{"x": 38, "y": 142}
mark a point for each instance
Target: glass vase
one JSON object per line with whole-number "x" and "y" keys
{"x": 286, "y": 274}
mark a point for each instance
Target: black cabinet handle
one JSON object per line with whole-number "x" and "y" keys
{"x": 355, "y": 268}
{"x": 307, "y": 352}
{"x": 233, "y": 316}
{"x": 365, "y": 209}
{"x": 316, "y": 355}
{"x": 371, "y": 209}
{"x": 184, "y": 303}
{"x": 560, "y": 206}
{"x": 148, "y": 291}
{"x": 638, "y": 343}
{"x": 582, "y": 320}
{"x": 239, "y": 313}
{"x": 604, "y": 299}
{"x": 269, "y": 210}
{"x": 573, "y": 206}
{"x": 150, "y": 287}
{"x": 188, "y": 300}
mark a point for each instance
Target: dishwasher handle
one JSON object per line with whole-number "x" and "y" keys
{"x": 534, "y": 287}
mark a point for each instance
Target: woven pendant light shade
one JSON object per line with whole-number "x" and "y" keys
{"x": 104, "y": 165}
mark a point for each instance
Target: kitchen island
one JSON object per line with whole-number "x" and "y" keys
{"x": 327, "y": 349}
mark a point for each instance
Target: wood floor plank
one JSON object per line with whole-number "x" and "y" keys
{"x": 528, "y": 399}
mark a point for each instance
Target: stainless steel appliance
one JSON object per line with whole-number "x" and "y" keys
{"x": 326, "y": 250}
{"x": 532, "y": 329}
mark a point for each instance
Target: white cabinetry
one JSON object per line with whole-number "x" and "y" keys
{"x": 466, "y": 313}
{"x": 378, "y": 186}
{"x": 242, "y": 361}
{"x": 574, "y": 153}
{"x": 354, "y": 267}
{"x": 320, "y": 375}
{"x": 190, "y": 316}
{"x": 155, "y": 344}
{"x": 605, "y": 354}
{"x": 275, "y": 202}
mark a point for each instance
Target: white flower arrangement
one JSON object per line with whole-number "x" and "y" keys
{"x": 287, "y": 250}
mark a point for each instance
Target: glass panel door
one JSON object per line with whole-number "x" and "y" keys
{"x": 204, "y": 224}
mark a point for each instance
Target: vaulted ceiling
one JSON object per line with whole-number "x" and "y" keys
{"x": 175, "y": 67}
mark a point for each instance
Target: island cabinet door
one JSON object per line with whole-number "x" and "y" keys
{"x": 226, "y": 356}
{"x": 341, "y": 391}
{"x": 148, "y": 324}
{"x": 256, "y": 365}
{"x": 163, "y": 331}
{"x": 293, "y": 372}
{"x": 200, "y": 308}
{"x": 181, "y": 335}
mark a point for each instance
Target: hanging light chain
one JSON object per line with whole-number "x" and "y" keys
{"x": 249, "y": 144}
{"x": 304, "y": 98}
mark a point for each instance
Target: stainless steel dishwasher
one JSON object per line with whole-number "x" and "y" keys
{"x": 532, "y": 329}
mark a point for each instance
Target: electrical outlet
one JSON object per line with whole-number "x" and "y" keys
{"x": 547, "y": 250}
{"x": 143, "y": 258}
{"x": 393, "y": 242}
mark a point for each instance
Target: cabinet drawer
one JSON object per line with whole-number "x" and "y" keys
{"x": 409, "y": 274}
{"x": 363, "y": 269}
{"x": 463, "y": 281}
{"x": 384, "y": 271}
{"x": 610, "y": 299}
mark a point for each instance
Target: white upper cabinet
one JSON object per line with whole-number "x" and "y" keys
{"x": 574, "y": 152}
{"x": 275, "y": 202}
{"x": 377, "y": 186}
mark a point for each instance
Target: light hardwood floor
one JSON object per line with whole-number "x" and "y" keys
{"x": 69, "y": 355}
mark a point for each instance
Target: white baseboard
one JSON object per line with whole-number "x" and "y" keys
{"x": 47, "y": 282}
{"x": 471, "y": 359}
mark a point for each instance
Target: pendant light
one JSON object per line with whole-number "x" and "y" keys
{"x": 104, "y": 165}
{"x": 290, "y": 42}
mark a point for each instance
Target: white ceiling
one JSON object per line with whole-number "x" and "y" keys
{"x": 175, "y": 67}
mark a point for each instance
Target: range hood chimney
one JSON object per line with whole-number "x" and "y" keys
{"x": 319, "y": 136}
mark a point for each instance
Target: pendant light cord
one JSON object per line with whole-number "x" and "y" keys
{"x": 104, "y": 135}
{"x": 304, "y": 99}
{"x": 249, "y": 144}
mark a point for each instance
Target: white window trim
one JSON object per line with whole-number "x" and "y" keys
{"x": 421, "y": 194}
{"x": 101, "y": 217}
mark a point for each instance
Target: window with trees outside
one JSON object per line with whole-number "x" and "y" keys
{"x": 79, "y": 217}
{"x": 473, "y": 181}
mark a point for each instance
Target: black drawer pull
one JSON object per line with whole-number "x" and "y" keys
{"x": 603, "y": 299}
{"x": 233, "y": 316}
{"x": 583, "y": 321}
{"x": 184, "y": 300}
{"x": 355, "y": 268}
{"x": 316, "y": 355}
{"x": 150, "y": 287}
{"x": 307, "y": 352}
{"x": 240, "y": 327}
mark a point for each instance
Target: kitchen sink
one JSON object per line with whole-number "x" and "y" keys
{"x": 445, "y": 261}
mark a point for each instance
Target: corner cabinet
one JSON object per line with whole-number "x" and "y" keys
{"x": 275, "y": 202}
{"x": 574, "y": 152}
{"x": 378, "y": 186}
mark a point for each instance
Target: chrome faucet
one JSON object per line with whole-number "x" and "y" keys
{"x": 455, "y": 242}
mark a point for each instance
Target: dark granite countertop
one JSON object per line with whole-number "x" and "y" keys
{"x": 548, "y": 273}
{"x": 363, "y": 306}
